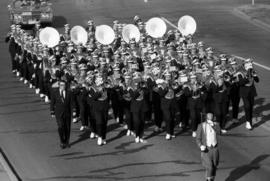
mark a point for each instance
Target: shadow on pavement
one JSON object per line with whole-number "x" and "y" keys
{"x": 68, "y": 154}
{"x": 123, "y": 146}
{"x": 122, "y": 152}
{"x": 118, "y": 136}
{"x": 239, "y": 172}
{"x": 258, "y": 110}
{"x": 237, "y": 135}
{"x": 82, "y": 137}
{"x": 182, "y": 162}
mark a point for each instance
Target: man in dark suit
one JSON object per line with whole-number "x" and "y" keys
{"x": 61, "y": 107}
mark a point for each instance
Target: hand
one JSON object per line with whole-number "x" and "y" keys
{"x": 74, "y": 114}
{"x": 52, "y": 114}
{"x": 203, "y": 148}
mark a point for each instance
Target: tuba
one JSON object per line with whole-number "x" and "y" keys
{"x": 187, "y": 25}
{"x": 49, "y": 36}
{"x": 129, "y": 32}
{"x": 104, "y": 34}
{"x": 78, "y": 35}
{"x": 155, "y": 27}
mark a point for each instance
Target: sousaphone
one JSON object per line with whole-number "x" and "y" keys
{"x": 78, "y": 35}
{"x": 104, "y": 34}
{"x": 49, "y": 36}
{"x": 129, "y": 32}
{"x": 156, "y": 27}
{"x": 187, "y": 25}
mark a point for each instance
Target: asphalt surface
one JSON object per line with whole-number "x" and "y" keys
{"x": 29, "y": 137}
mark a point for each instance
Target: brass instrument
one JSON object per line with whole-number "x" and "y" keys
{"x": 129, "y": 32}
{"x": 78, "y": 35}
{"x": 155, "y": 27}
{"x": 49, "y": 36}
{"x": 187, "y": 25}
{"x": 104, "y": 34}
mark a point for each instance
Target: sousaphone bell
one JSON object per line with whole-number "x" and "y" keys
{"x": 104, "y": 34}
{"x": 155, "y": 27}
{"x": 187, "y": 25}
{"x": 78, "y": 35}
{"x": 49, "y": 36}
{"x": 129, "y": 32}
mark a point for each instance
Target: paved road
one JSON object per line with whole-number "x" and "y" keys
{"x": 29, "y": 138}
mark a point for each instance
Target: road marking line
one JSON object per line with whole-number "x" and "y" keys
{"x": 258, "y": 64}
{"x": 170, "y": 23}
{"x": 241, "y": 58}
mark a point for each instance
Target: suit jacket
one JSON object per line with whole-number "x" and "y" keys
{"x": 201, "y": 135}
{"x": 62, "y": 108}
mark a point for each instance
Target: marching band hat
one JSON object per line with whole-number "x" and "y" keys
{"x": 115, "y": 22}
{"x": 95, "y": 55}
{"x": 73, "y": 61}
{"x": 132, "y": 41}
{"x": 248, "y": 60}
{"x": 193, "y": 76}
{"x": 160, "y": 81}
{"x": 63, "y": 60}
{"x": 210, "y": 52}
{"x": 136, "y": 18}
{"x": 233, "y": 62}
{"x": 185, "y": 54}
{"x": 127, "y": 76}
{"x": 39, "y": 58}
{"x": 195, "y": 61}
{"x": 209, "y": 49}
{"x": 90, "y": 22}
{"x": 170, "y": 32}
{"x": 106, "y": 50}
{"x": 83, "y": 66}
{"x": 200, "y": 44}
{"x": 177, "y": 33}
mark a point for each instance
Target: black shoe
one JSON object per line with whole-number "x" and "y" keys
{"x": 63, "y": 146}
{"x": 67, "y": 145}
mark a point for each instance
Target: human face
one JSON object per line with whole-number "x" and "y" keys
{"x": 62, "y": 86}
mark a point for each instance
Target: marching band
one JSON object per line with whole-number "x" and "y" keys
{"x": 140, "y": 71}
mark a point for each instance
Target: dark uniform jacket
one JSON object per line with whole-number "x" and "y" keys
{"x": 62, "y": 108}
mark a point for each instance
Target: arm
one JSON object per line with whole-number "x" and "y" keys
{"x": 52, "y": 105}
{"x": 199, "y": 136}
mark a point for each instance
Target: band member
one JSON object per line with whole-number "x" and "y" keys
{"x": 61, "y": 104}
{"x": 248, "y": 92}
{"x": 168, "y": 107}
{"x": 101, "y": 107}
{"x": 207, "y": 141}
{"x": 234, "y": 96}
{"x": 220, "y": 97}
{"x": 91, "y": 103}
{"x": 194, "y": 105}
{"x": 138, "y": 108}
{"x": 126, "y": 101}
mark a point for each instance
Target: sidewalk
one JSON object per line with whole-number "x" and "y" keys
{"x": 258, "y": 14}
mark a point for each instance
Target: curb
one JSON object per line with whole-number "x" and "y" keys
{"x": 254, "y": 21}
{"x": 12, "y": 174}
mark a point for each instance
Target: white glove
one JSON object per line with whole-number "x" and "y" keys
{"x": 203, "y": 148}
